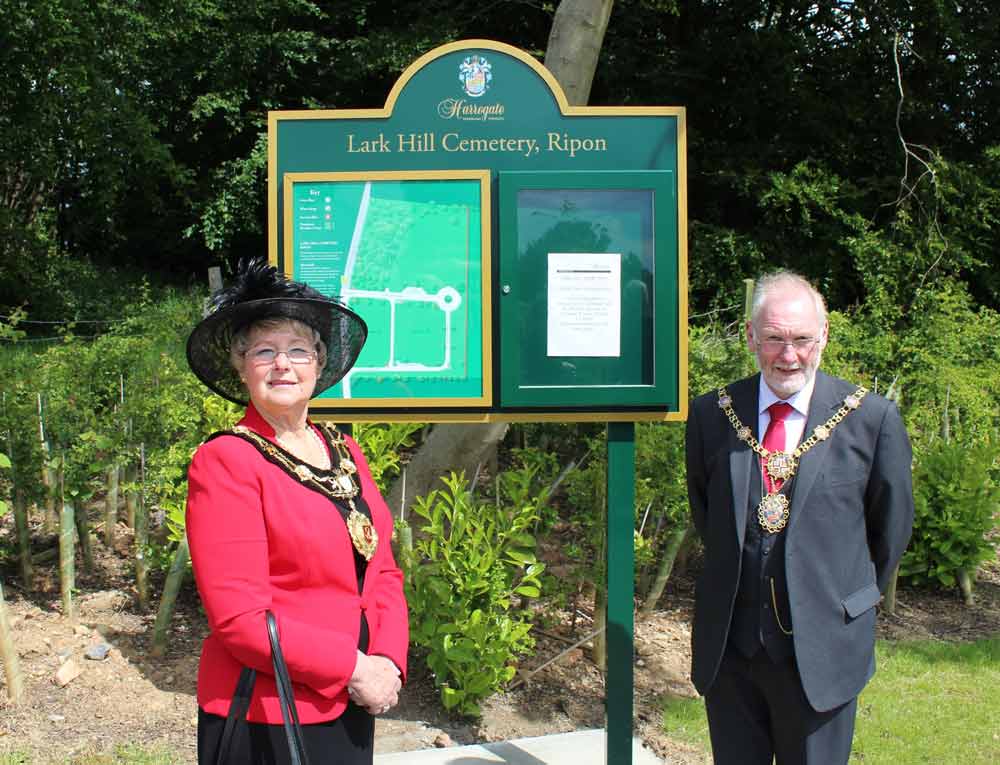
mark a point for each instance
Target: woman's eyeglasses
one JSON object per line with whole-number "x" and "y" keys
{"x": 264, "y": 354}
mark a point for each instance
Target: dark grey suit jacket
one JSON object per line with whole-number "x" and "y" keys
{"x": 851, "y": 517}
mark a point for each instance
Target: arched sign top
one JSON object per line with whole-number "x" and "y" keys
{"x": 474, "y": 45}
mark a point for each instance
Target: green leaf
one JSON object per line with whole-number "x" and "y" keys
{"x": 534, "y": 570}
{"x": 451, "y": 697}
{"x": 522, "y": 556}
{"x": 523, "y": 540}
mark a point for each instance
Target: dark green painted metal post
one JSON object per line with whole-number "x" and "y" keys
{"x": 621, "y": 577}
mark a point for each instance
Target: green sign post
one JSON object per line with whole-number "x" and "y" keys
{"x": 516, "y": 259}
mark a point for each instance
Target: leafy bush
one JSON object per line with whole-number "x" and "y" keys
{"x": 956, "y": 500}
{"x": 470, "y": 560}
{"x": 381, "y": 444}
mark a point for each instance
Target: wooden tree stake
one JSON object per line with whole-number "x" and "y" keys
{"x": 48, "y": 475}
{"x": 67, "y": 552}
{"x": 130, "y": 496}
{"x": 23, "y": 536}
{"x": 172, "y": 585}
{"x": 111, "y": 507}
{"x": 141, "y": 526}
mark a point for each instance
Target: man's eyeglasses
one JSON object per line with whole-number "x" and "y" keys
{"x": 800, "y": 344}
{"x": 263, "y": 355}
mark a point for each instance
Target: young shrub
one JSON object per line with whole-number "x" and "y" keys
{"x": 382, "y": 444}
{"x": 469, "y": 561}
{"x": 956, "y": 500}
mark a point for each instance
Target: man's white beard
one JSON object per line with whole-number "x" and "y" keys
{"x": 785, "y": 387}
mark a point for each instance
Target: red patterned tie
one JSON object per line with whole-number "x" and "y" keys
{"x": 774, "y": 439}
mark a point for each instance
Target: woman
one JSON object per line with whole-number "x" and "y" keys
{"x": 283, "y": 516}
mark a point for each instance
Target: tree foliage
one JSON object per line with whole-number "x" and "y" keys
{"x": 855, "y": 142}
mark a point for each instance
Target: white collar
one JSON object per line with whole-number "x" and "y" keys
{"x": 798, "y": 401}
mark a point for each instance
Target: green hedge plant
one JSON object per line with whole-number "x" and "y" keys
{"x": 956, "y": 499}
{"x": 470, "y": 560}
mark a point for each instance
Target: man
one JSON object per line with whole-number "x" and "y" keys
{"x": 800, "y": 488}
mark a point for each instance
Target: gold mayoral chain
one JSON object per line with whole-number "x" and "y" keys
{"x": 336, "y": 483}
{"x": 772, "y": 512}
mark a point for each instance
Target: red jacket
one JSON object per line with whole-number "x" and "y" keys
{"x": 260, "y": 540}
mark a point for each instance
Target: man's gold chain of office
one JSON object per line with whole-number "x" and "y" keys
{"x": 772, "y": 512}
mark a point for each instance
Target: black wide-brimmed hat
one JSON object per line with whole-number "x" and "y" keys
{"x": 260, "y": 292}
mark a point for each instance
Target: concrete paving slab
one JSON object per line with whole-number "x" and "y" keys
{"x": 583, "y": 747}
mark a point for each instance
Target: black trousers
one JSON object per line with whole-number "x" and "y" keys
{"x": 758, "y": 712}
{"x": 347, "y": 740}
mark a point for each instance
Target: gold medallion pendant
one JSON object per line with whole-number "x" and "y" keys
{"x": 772, "y": 513}
{"x": 363, "y": 534}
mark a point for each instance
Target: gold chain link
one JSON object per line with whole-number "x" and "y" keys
{"x": 777, "y": 616}
{"x": 820, "y": 432}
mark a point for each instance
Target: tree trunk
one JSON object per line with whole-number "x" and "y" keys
{"x": 599, "y": 652}
{"x": 50, "y": 480}
{"x": 575, "y": 44}
{"x": 889, "y": 601}
{"x": 965, "y": 585}
{"x": 8, "y": 656}
{"x": 447, "y": 448}
{"x": 172, "y": 585}
{"x": 23, "y": 536}
{"x": 111, "y": 507}
{"x": 668, "y": 556}
{"x": 83, "y": 534}
{"x": 600, "y": 645}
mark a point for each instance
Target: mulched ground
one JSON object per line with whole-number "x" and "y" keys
{"x": 132, "y": 698}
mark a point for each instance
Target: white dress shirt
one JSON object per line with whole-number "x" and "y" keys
{"x": 795, "y": 422}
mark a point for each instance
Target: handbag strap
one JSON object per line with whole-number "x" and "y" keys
{"x": 289, "y": 714}
{"x": 240, "y": 704}
{"x": 238, "y": 708}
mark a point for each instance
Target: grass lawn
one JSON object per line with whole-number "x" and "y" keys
{"x": 929, "y": 702}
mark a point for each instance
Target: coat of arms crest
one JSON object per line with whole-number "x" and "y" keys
{"x": 475, "y": 73}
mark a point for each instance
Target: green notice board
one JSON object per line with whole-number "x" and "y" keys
{"x": 477, "y": 177}
{"x": 406, "y": 252}
{"x": 587, "y": 263}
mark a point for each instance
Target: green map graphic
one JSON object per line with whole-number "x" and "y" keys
{"x": 406, "y": 256}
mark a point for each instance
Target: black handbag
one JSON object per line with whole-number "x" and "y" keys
{"x": 241, "y": 703}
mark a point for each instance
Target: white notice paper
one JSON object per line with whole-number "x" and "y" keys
{"x": 584, "y": 306}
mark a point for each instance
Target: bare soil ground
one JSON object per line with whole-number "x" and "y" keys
{"x": 132, "y": 698}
